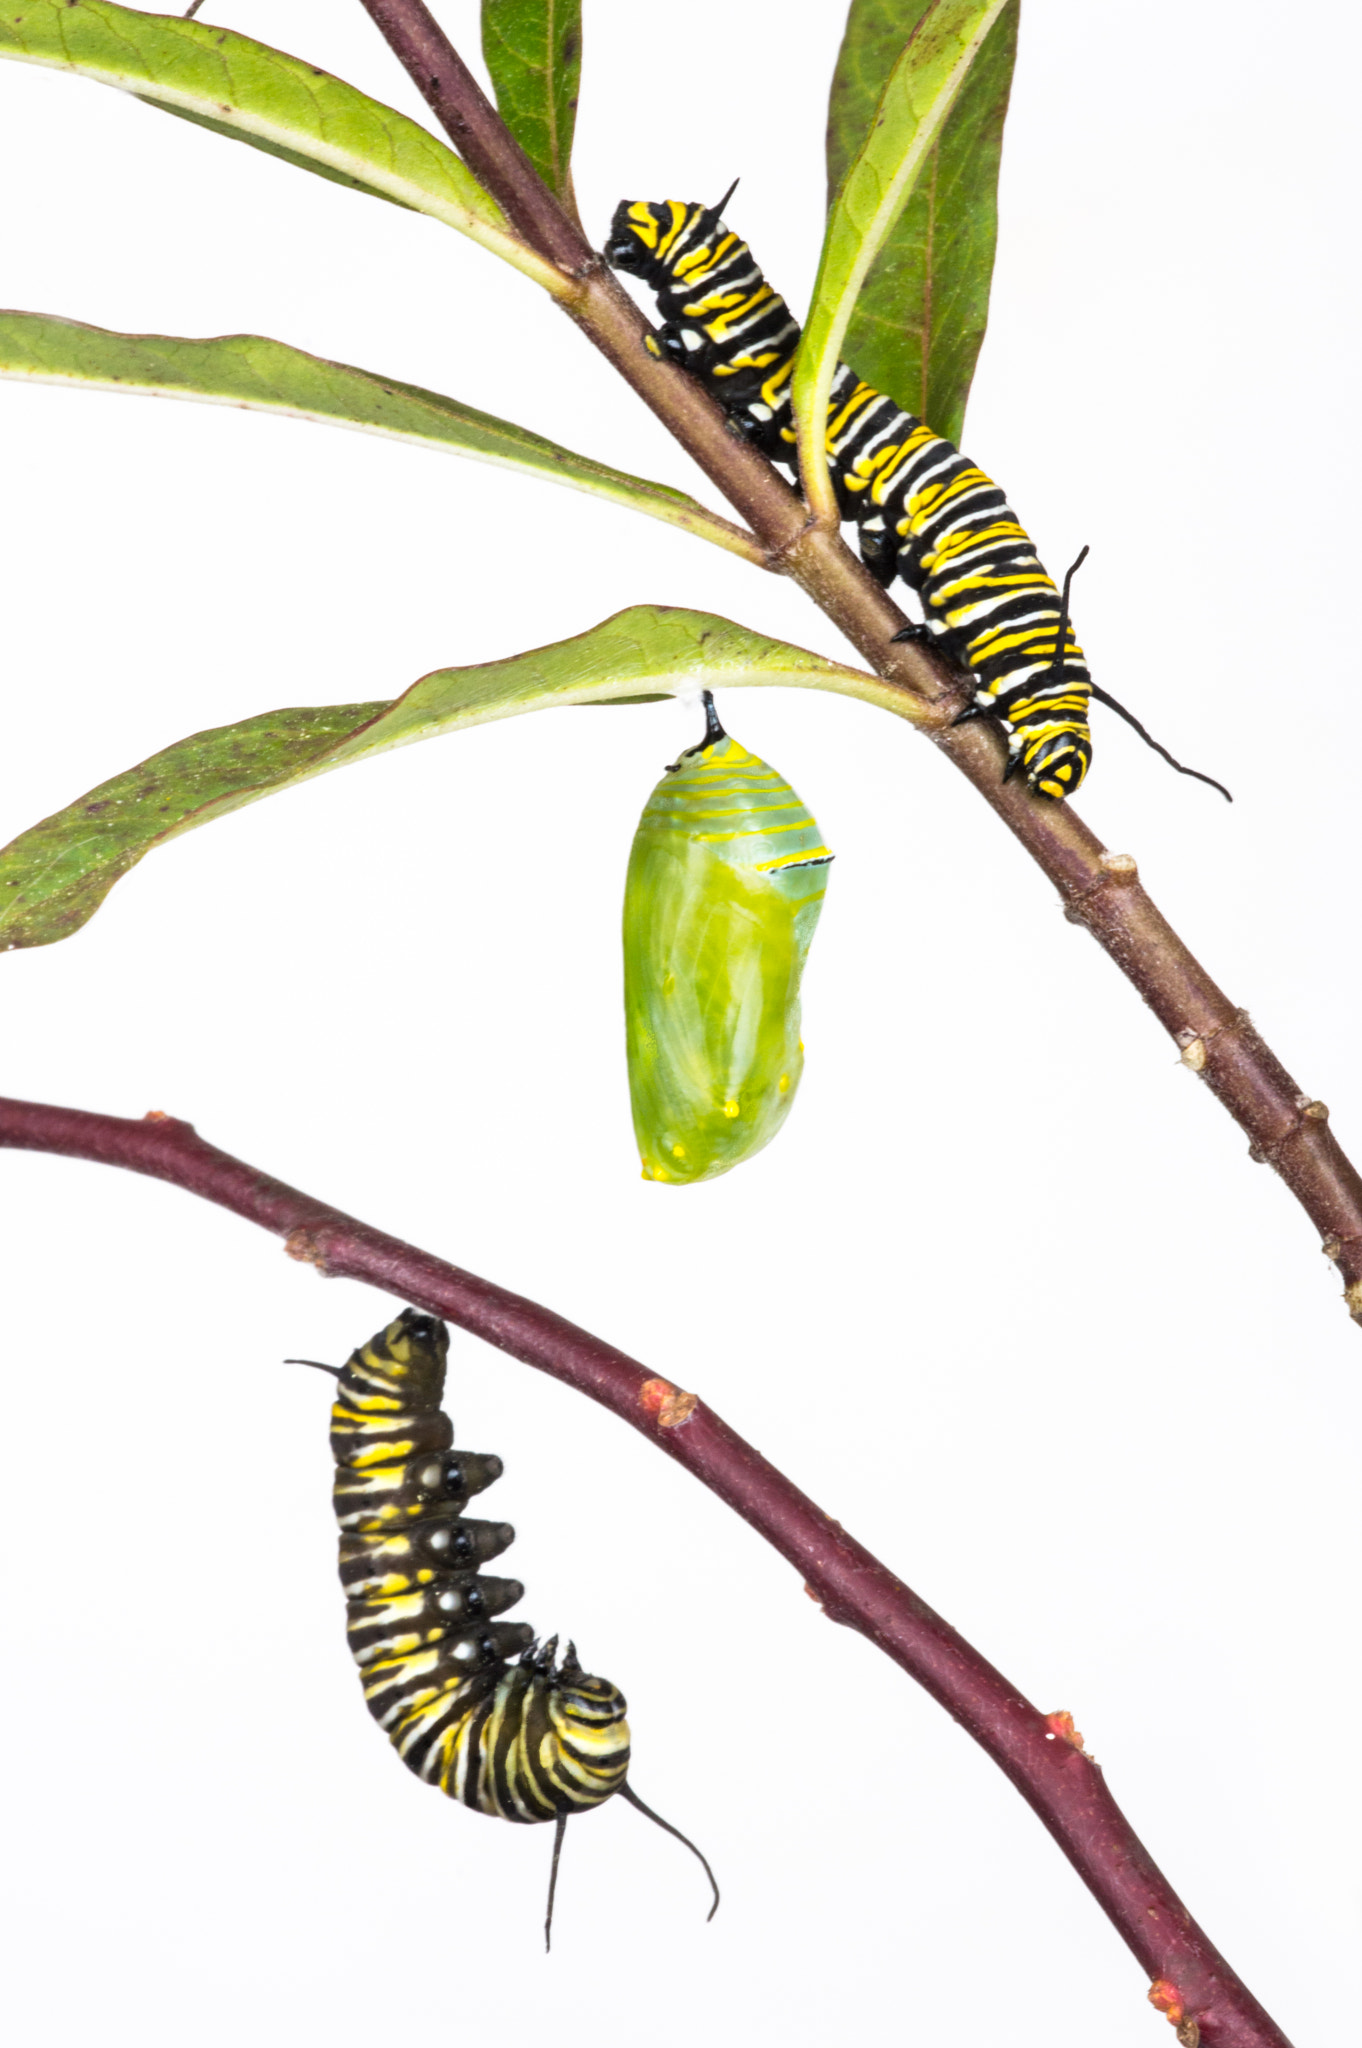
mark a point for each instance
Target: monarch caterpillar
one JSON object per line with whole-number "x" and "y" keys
{"x": 725, "y": 884}
{"x": 923, "y": 510}
{"x": 533, "y": 1740}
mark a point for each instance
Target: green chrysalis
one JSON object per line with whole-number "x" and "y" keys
{"x": 726, "y": 880}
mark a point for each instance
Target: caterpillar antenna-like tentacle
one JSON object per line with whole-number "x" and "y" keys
{"x": 1058, "y": 663}
{"x": 316, "y": 1365}
{"x": 1105, "y": 697}
{"x": 560, "y": 1829}
{"x": 626, "y": 1791}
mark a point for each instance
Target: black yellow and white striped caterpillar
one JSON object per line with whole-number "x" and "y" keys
{"x": 924, "y": 511}
{"x": 533, "y": 1740}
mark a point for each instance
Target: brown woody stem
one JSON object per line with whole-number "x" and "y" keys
{"x": 1216, "y": 1040}
{"x": 1191, "y": 1979}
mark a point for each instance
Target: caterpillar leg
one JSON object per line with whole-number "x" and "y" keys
{"x": 879, "y": 549}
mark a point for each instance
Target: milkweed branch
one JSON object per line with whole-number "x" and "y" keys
{"x": 1041, "y": 1754}
{"x": 1098, "y": 890}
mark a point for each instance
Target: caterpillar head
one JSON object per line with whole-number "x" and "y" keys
{"x": 637, "y": 232}
{"x": 648, "y": 237}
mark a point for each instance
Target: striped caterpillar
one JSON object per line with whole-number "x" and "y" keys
{"x": 923, "y": 510}
{"x": 531, "y": 1740}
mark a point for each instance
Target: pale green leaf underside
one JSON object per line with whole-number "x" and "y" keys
{"x": 533, "y": 50}
{"x": 263, "y": 96}
{"x": 918, "y": 96}
{"x": 918, "y": 324}
{"x": 286, "y": 156}
{"x": 252, "y": 371}
{"x": 55, "y": 876}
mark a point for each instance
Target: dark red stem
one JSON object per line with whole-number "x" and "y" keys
{"x": 1063, "y": 1785}
{"x": 478, "y": 131}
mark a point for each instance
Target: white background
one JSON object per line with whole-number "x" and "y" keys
{"x": 1006, "y": 1296}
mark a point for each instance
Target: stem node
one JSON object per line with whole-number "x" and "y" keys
{"x": 300, "y": 1244}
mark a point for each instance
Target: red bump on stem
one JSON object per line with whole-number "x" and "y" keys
{"x": 1165, "y": 1998}
{"x": 1061, "y": 1725}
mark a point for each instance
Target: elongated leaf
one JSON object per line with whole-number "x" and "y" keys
{"x": 921, "y": 90}
{"x": 261, "y": 96}
{"x": 919, "y": 322}
{"x": 55, "y": 876}
{"x": 533, "y": 50}
{"x": 267, "y": 376}
{"x": 285, "y": 156}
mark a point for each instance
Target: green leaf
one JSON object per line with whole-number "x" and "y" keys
{"x": 533, "y": 49}
{"x": 286, "y": 156}
{"x": 919, "y": 322}
{"x": 920, "y": 92}
{"x": 275, "y": 102}
{"x": 55, "y": 876}
{"x": 267, "y": 376}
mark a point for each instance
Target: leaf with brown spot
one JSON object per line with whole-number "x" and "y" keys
{"x": 54, "y": 877}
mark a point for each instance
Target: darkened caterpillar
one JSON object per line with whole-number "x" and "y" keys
{"x": 529, "y": 1740}
{"x": 924, "y": 511}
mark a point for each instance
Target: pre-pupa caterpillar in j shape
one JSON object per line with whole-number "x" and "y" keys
{"x": 534, "y": 1739}
{"x": 726, "y": 881}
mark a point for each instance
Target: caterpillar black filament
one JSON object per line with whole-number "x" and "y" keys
{"x": 924, "y": 511}
{"x": 529, "y": 1740}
